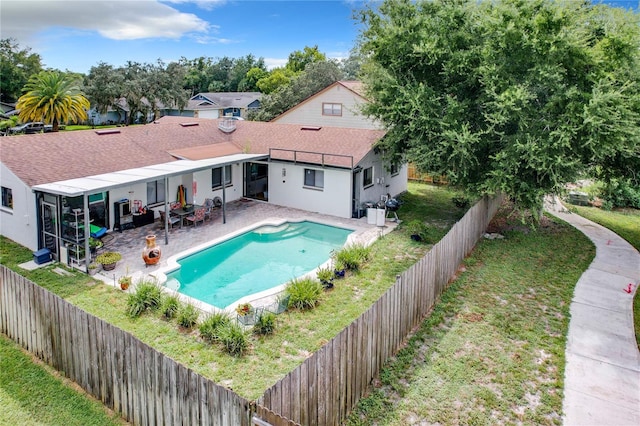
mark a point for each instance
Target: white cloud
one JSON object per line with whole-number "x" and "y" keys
{"x": 118, "y": 20}
{"x": 202, "y": 4}
{"x": 272, "y": 63}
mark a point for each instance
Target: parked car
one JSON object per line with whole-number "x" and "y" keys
{"x": 30, "y": 128}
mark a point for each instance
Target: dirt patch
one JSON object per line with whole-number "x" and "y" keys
{"x": 509, "y": 218}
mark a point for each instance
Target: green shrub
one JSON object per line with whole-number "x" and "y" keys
{"x": 461, "y": 201}
{"x": 620, "y": 193}
{"x": 211, "y": 326}
{"x": 265, "y": 323}
{"x": 420, "y": 231}
{"x": 187, "y": 316}
{"x": 170, "y": 307}
{"x": 234, "y": 339}
{"x": 304, "y": 293}
{"x": 353, "y": 256}
{"x": 147, "y": 295}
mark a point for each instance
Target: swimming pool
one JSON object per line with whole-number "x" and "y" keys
{"x": 255, "y": 261}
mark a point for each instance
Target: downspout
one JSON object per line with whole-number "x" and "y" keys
{"x": 87, "y": 231}
{"x": 166, "y": 210}
{"x": 224, "y": 193}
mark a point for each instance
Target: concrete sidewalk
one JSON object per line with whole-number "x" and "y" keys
{"x": 602, "y": 375}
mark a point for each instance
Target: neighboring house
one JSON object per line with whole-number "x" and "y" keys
{"x": 338, "y": 105}
{"x": 218, "y": 105}
{"x": 119, "y": 114}
{"x": 45, "y": 178}
{"x": 7, "y": 109}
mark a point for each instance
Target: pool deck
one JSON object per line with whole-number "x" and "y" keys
{"x": 240, "y": 215}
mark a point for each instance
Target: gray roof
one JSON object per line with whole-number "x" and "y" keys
{"x": 221, "y": 100}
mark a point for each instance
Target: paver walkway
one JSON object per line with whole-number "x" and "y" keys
{"x": 602, "y": 375}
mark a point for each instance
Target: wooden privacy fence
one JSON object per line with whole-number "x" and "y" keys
{"x": 326, "y": 387}
{"x": 145, "y": 386}
{"x": 414, "y": 174}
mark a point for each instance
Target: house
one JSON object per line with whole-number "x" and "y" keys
{"x": 55, "y": 185}
{"x": 7, "y": 109}
{"x": 218, "y": 105}
{"x": 337, "y": 105}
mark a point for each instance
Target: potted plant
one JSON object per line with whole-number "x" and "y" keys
{"x": 125, "y": 280}
{"x": 417, "y": 230}
{"x": 326, "y": 275}
{"x": 339, "y": 269}
{"x": 94, "y": 244}
{"x": 245, "y": 313}
{"x": 93, "y": 268}
{"x": 108, "y": 260}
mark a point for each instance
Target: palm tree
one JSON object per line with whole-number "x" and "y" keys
{"x": 54, "y": 98}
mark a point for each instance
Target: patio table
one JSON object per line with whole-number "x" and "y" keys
{"x": 183, "y": 212}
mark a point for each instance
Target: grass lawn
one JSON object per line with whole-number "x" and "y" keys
{"x": 297, "y": 335}
{"x": 32, "y": 394}
{"x": 492, "y": 352}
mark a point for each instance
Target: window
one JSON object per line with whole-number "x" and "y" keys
{"x": 314, "y": 178}
{"x": 216, "y": 177}
{"x": 7, "y": 197}
{"x": 394, "y": 169}
{"x": 331, "y": 109}
{"x": 367, "y": 177}
{"x": 155, "y": 192}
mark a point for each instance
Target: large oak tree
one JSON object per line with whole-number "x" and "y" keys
{"x": 518, "y": 96}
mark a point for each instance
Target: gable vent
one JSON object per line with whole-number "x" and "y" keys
{"x": 107, "y": 132}
{"x": 189, "y": 124}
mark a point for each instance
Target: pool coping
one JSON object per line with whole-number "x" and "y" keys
{"x": 172, "y": 263}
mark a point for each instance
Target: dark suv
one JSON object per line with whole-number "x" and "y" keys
{"x": 30, "y": 128}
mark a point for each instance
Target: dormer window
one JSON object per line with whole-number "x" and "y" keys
{"x": 331, "y": 109}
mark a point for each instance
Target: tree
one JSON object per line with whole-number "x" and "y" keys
{"x": 16, "y": 67}
{"x": 103, "y": 87}
{"x": 254, "y": 75}
{"x": 299, "y": 59}
{"x": 54, "y": 98}
{"x": 277, "y": 78}
{"x": 238, "y": 81}
{"x": 315, "y": 77}
{"x": 518, "y": 96}
{"x": 351, "y": 65}
{"x": 164, "y": 86}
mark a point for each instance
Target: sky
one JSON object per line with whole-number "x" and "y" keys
{"x": 74, "y": 35}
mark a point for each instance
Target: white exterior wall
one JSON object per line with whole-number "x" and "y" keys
{"x": 310, "y": 112}
{"x": 289, "y": 191}
{"x": 383, "y": 182}
{"x": 20, "y": 224}
{"x": 233, "y": 192}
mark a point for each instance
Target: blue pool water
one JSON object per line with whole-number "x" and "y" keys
{"x": 255, "y": 261}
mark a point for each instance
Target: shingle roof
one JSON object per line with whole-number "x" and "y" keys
{"x": 222, "y": 100}
{"x": 51, "y": 157}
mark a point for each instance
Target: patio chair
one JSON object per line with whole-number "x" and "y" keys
{"x": 208, "y": 208}
{"x": 172, "y": 219}
{"x": 280, "y": 305}
{"x": 197, "y": 216}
